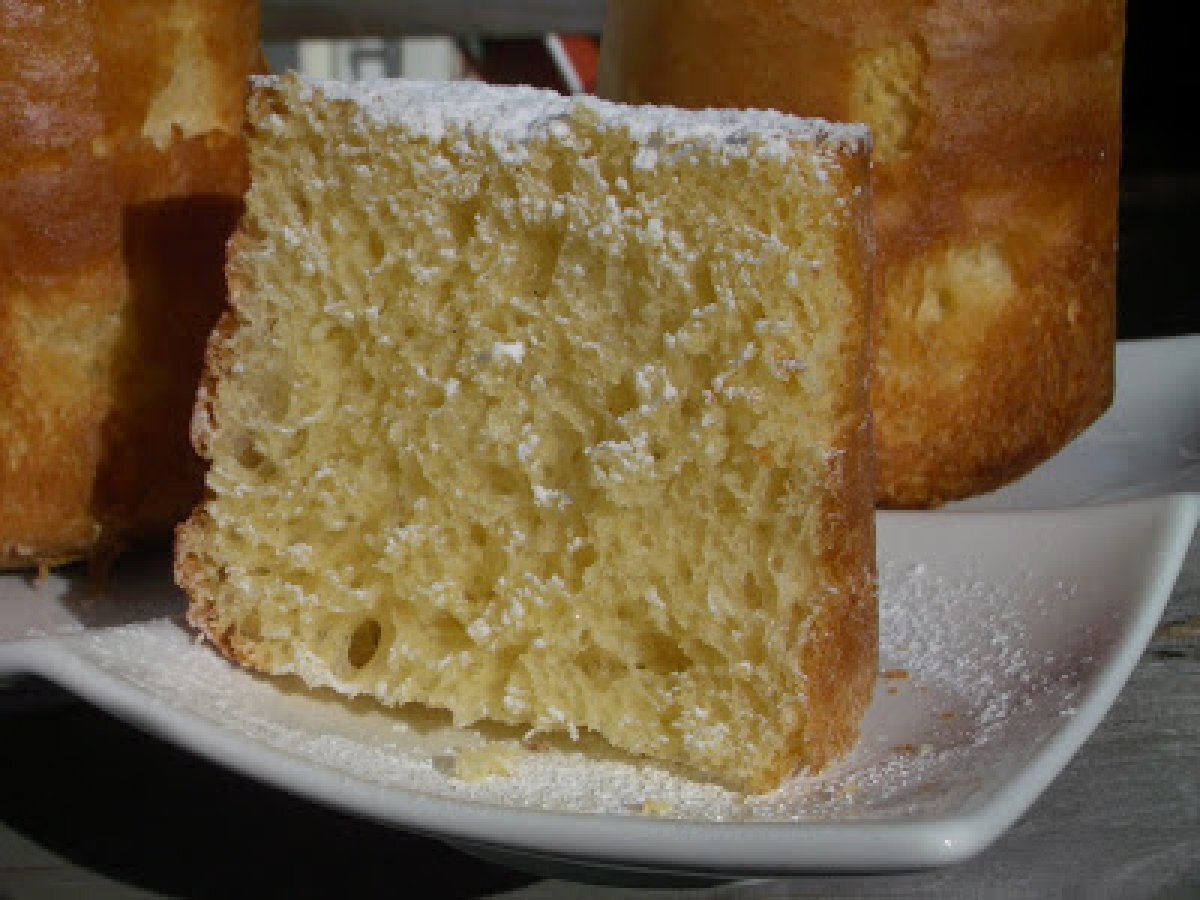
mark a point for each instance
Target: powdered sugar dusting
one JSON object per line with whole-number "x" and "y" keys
{"x": 511, "y": 116}
{"x": 961, "y": 686}
{"x": 965, "y": 688}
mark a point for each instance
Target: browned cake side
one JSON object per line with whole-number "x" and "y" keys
{"x": 997, "y": 139}
{"x": 121, "y": 174}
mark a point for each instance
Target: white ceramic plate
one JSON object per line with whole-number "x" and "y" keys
{"x": 1006, "y": 635}
{"x": 1146, "y": 445}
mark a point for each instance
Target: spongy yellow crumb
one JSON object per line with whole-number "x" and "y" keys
{"x": 567, "y": 435}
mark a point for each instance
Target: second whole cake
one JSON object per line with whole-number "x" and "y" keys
{"x": 122, "y": 169}
{"x": 511, "y": 416}
{"x": 997, "y": 139}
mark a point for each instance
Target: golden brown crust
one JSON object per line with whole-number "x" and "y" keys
{"x": 189, "y": 571}
{"x": 115, "y": 203}
{"x": 192, "y": 573}
{"x": 995, "y": 179}
{"x": 841, "y": 656}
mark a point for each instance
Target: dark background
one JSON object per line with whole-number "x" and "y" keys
{"x": 1160, "y": 195}
{"x": 1160, "y": 77}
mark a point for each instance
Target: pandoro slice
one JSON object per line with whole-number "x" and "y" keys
{"x": 548, "y": 411}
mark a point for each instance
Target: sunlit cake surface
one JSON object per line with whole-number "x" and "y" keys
{"x": 550, "y": 412}
{"x": 995, "y": 180}
{"x": 122, "y": 169}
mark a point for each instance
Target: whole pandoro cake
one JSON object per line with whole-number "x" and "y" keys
{"x": 551, "y": 412}
{"x": 997, "y": 129}
{"x": 122, "y": 169}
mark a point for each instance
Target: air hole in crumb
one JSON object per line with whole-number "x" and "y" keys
{"x": 251, "y": 627}
{"x": 247, "y": 455}
{"x": 364, "y": 642}
{"x": 663, "y": 655}
{"x": 376, "y": 249}
{"x": 585, "y": 556}
{"x": 449, "y": 633}
{"x": 599, "y": 666}
{"x": 751, "y": 592}
{"x": 502, "y": 481}
{"x": 621, "y": 396}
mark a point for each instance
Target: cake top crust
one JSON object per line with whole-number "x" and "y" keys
{"x": 515, "y": 115}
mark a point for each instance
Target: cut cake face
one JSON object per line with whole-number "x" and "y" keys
{"x": 551, "y": 412}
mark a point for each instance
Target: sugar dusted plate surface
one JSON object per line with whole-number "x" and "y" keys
{"x": 1008, "y": 626}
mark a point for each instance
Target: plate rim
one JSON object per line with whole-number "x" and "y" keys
{"x": 778, "y": 848}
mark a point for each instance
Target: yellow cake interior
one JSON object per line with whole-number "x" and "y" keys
{"x": 548, "y": 429}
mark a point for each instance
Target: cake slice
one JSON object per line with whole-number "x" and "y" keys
{"x": 552, "y": 412}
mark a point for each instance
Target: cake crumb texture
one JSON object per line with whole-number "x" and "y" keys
{"x": 548, "y": 412}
